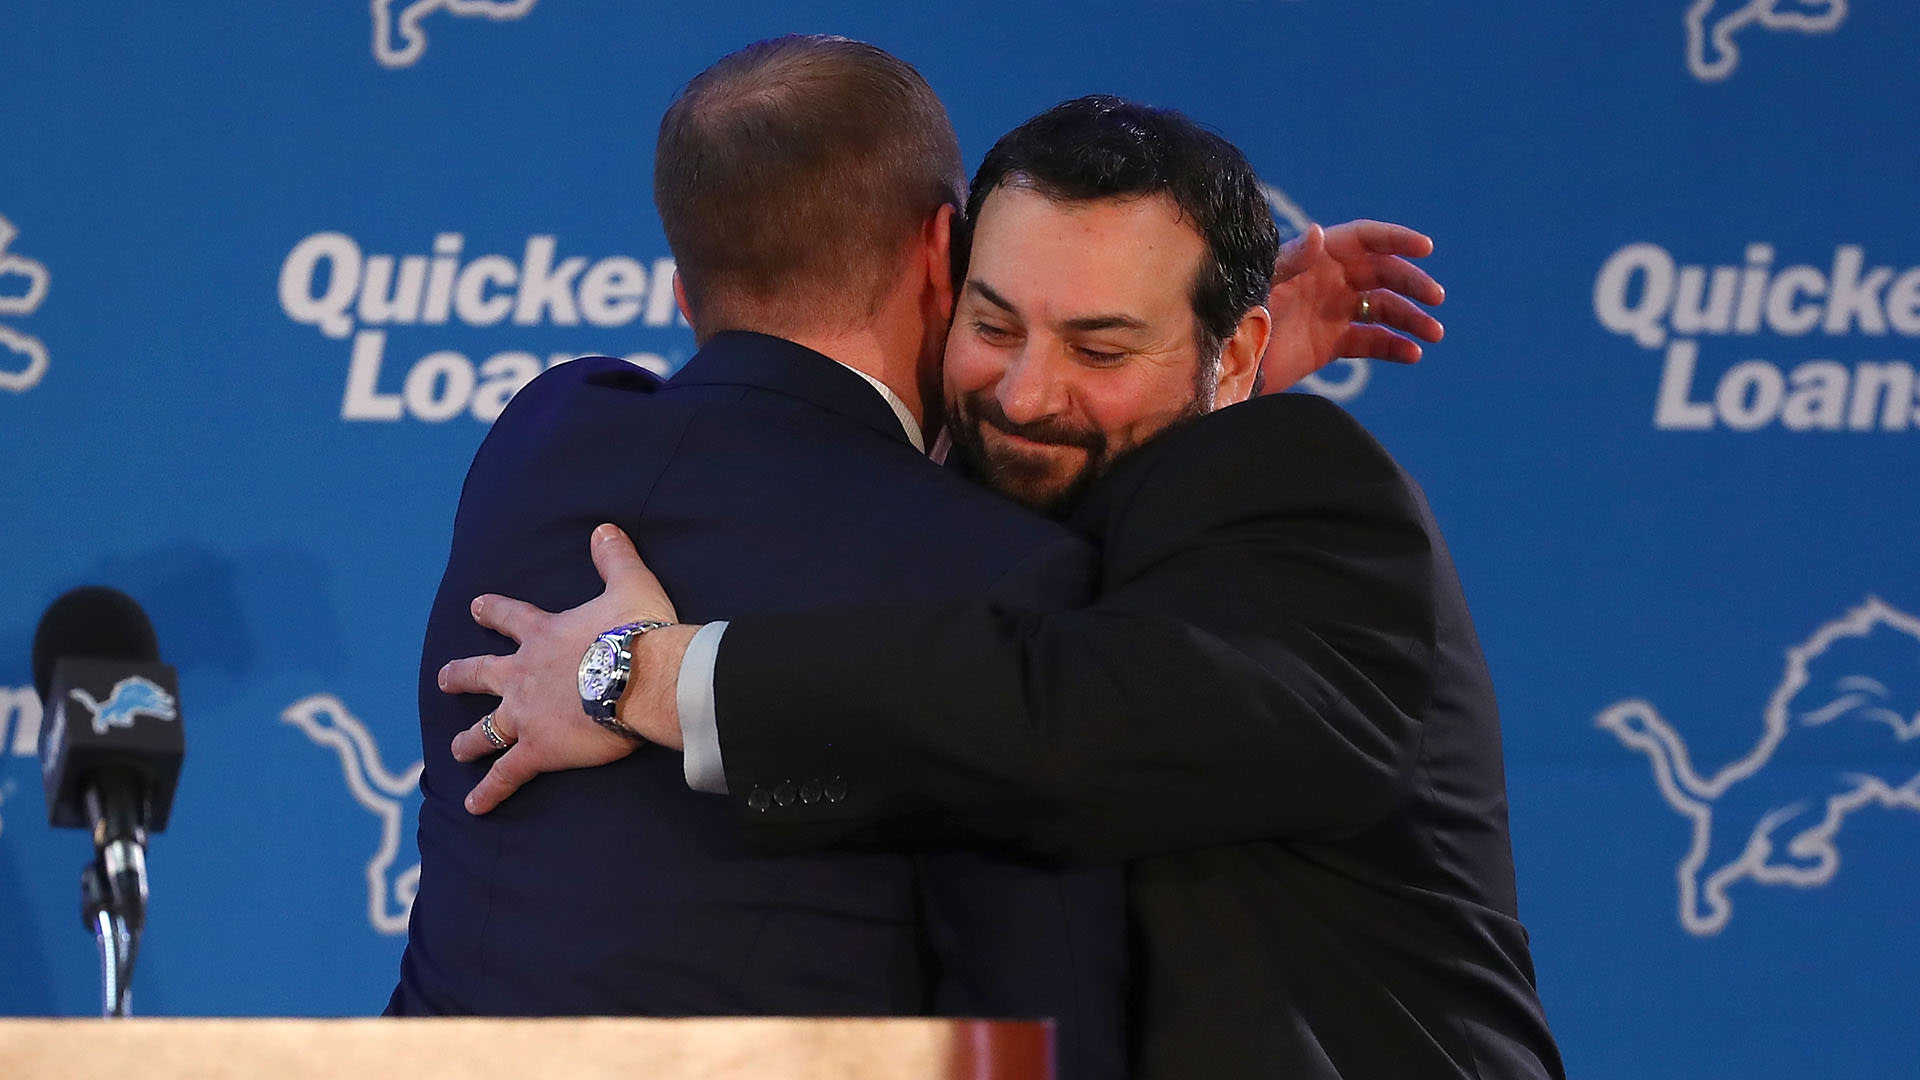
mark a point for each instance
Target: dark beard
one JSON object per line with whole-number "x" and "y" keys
{"x": 966, "y": 414}
{"x": 1015, "y": 479}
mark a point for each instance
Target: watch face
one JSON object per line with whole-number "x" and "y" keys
{"x": 596, "y": 670}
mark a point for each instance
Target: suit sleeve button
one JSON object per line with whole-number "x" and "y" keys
{"x": 785, "y": 793}
{"x": 758, "y": 799}
{"x": 837, "y": 789}
{"x": 810, "y": 792}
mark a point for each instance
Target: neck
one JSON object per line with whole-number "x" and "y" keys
{"x": 890, "y": 353}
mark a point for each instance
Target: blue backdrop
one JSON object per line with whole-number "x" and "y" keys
{"x": 267, "y": 271}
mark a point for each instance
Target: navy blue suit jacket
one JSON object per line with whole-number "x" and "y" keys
{"x": 762, "y": 478}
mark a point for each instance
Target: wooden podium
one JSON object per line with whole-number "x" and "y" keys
{"x": 486, "y": 1049}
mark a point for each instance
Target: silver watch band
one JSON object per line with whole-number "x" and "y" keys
{"x": 615, "y": 648}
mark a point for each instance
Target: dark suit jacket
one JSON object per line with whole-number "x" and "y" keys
{"x": 763, "y": 477}
{"x": 1277, "y": 706}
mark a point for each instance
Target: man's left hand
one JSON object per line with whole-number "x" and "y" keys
{"x": 539, "y": 714}
{"x": 1318, "y": 285}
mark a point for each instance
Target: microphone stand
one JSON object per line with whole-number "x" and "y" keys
{"x": 119, "y": 940}
{"x": 113, "y": 894}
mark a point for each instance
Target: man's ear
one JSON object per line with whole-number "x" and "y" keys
{"x": 937, "y": 242}
{"x": 680, "y": 301}
{"x": 1240, "y": 357}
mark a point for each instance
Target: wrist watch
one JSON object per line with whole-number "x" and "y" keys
{"x": 605, "y": 670}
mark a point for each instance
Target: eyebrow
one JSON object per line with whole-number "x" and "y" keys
{"x": 1080, "y": 323}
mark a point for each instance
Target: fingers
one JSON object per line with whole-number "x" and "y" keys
{"x": 625, "y": 573}
{"x": 1392, "y": 310}
{"x": 515, "y": 618}
{"x": 1375, "y": 255}
{"x": 513, "y": 769}
{"x": 615, "y": 556}
{"x": 1381, "y": 238}
{"x": 1396, "y": 273}
{"x": 1379, "y": 343}
{"x": 1299, "y": 254}
{"x": 473, "y": 744}
{"x": 1378, "y": 338}
{"x": 473, "y": 675}
{"x": 1372, "y": 271}
{"x": 1386, "y": 238}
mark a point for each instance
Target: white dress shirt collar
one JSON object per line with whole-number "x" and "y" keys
{"x": 899, "y": 407}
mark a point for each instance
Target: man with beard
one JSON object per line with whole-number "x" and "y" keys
{"x": 1275, "y": 708}
{"x": 807, "y": 186}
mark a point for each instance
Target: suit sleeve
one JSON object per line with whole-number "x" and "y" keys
{"x": 1254, "y": 666}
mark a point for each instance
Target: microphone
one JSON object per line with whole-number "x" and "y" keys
{"x": 111, "y": 748}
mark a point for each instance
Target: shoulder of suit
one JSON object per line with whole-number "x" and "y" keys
{"x": 603, "y": 373}
{"x": 574, "y": 387}
{"x": 1249, "y": 469}
{"x": 1283, "y": 440}
{"x": 588, "y": 400}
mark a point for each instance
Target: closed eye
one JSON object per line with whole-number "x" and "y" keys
{"x": 992, "y": 332}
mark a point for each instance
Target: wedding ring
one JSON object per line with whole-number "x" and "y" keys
{"x": 1365, "y": 313}
{"x": 492, "y": 734}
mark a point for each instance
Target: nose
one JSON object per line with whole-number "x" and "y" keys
{"x": 1032, "y": 389}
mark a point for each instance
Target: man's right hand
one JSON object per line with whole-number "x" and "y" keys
{"x": 539, "y": 714}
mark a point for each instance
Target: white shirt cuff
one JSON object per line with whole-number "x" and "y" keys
{"x": 699, "y": 723}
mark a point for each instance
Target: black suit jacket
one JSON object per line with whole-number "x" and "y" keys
{"x": 1277, "y": 706}
{"x": 763, "y": 477}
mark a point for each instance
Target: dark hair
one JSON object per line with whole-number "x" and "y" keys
{"x": 1104, "y": 147}
{"x": 791, "y": 174}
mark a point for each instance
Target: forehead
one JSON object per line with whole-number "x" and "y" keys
{"x": 1137, "y": 255}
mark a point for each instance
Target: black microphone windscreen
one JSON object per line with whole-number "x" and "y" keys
{"x": 93, "y": 621}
